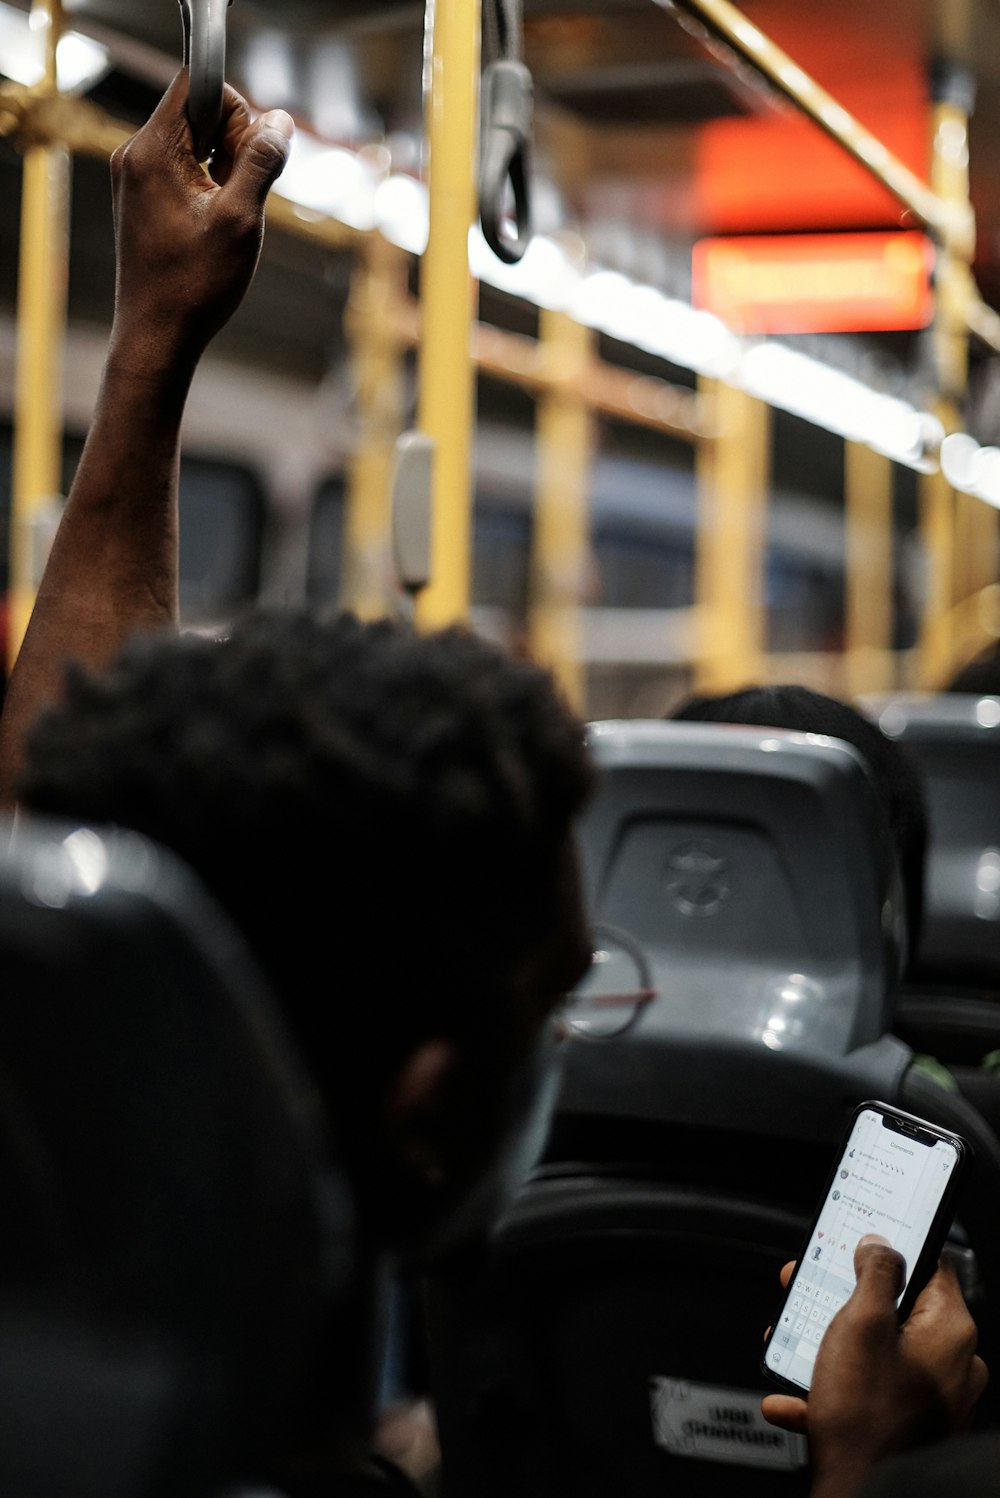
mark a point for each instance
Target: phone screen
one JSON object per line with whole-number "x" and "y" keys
{"x": 885, "y": 1182}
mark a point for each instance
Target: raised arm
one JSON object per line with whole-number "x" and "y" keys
{"x": 187, "y": 246}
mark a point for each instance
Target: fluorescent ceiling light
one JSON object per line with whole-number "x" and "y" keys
{"x": 269, "y": 67}
{"x": 973, "y": 469}
{"x": 959, "y": 460}
{"x": 81, "y": 62}
{"x": 401, "y": 213}
{"x": 546, "y": 275}
{"x": 343, "y": 184}
{"x": 329, "y": 180}
{"x": 837, "y": 402}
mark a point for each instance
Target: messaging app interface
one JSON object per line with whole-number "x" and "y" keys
{"x": 887, "y": 1183}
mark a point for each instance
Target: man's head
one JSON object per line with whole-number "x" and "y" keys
{"x": 387, "y": 818}
{"x": 896, "y": 782}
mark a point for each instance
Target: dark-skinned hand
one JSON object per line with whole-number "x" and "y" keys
{"x": 188, "y": 239}
{"x": 880, "y": 1386}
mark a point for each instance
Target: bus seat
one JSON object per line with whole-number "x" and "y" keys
{"x": 955, "y": 743}
{"x": 948, "y": 1006}
{"x": 754, "y": 868}
{"x": 609, "y": 1339}
{"x": 174, "y": 1229}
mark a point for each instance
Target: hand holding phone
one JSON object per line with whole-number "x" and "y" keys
{"x": 877, "y": 1382}
{"x": 880, "y": 1387}
{"x": 896, "y": 1176}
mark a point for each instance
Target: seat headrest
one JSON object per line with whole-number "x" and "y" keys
{"x": 756, "y": 870}
{"x": 954, "y": 741}
{"x": 181, "y": 1230}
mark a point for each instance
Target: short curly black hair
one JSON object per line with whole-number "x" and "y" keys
{"x": 381, "y": 812}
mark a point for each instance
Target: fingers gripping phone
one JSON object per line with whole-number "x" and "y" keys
{"x": 895, "y": 1175}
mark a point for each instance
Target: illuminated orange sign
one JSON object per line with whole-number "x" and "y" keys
{"x": 816, "y": 283}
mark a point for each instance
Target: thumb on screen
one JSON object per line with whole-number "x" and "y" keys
{"x": 880, "y": 1271}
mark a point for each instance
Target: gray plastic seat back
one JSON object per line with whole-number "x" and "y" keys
{"x": 175, "y": 1235}
{"x": 955, "y": 743}
{"x": 755, "y": 870}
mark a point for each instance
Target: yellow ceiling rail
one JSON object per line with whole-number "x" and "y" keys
{"x": 639, "y": 400}
{"x": 317, "y": 228}
{"x": 34, "y": 116}
{"x": 945, "y": 220}
{"x": 952, "y": 223}
{"x": 959, "y": 535}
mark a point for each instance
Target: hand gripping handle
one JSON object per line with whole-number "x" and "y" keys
{"x": 205, "y": 57}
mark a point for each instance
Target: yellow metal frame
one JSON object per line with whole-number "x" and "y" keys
{"x": 41, "y": 310}
{"x": 948, "y": 219}
{"x": 960, "y": 536}
{"x": 733, "y": 484}
{"x": 447, "y": 293}
{"x": 868, "y": 659}
{"x": 378, "y": 293}
{"x": 959, "y": 533}
{"x": 560, "y": 559}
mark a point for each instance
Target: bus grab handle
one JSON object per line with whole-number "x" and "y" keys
{"x": 205, "y": 57}
{"x": 508, "y": 108}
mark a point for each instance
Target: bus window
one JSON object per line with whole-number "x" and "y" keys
{"x": 908, "y": 573}
{"x": 326, "y": 543}
{"x": 643, "y": 566}
{"x": 805, "y": 538}
{"x": 221, "y": 533}
{"x": 643, "y": 507}
{"x": 501, "y": 559}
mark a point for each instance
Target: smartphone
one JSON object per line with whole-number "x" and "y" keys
{"x": 895, "y": 1175}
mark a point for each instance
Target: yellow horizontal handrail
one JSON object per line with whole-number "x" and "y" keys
{"x": 952, "y": 223}
{"x": 954, "y": 228}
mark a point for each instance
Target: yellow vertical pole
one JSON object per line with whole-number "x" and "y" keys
{"x": 448, "y": 302}
{"x": 946, "y": 530}
{"x": 937, "y": 534}
{"x": 41, "y": 320}
{"x": 868, "y": 544}
{"x": 561, "y": 533}
{"x": 733, "y": 480}
{"x": 982, "y": 533}
{"x": 378, "y": 289}
{"x": 976, "y": 524}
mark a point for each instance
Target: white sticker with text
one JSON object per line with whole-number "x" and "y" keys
{"x": 720, "y": 1425}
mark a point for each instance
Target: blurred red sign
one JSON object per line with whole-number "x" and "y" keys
{"x": 816, "y": 283}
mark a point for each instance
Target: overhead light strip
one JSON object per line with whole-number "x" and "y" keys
{"x": 348, "y": 186}
{"x": 81, "y": 62}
